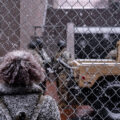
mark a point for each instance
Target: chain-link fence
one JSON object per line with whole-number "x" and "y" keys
{"x": 78, "y": 48}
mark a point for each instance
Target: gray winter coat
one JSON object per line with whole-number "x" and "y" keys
{"x": 28, "y": 103}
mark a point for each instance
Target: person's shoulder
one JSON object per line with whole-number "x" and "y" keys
{"x": 48, "y": 99}
{"x": 4, "y": 113}
{"x": 113, "y": 51}
{"x": 3, "y": 116}
{"x": 49, "y": 109}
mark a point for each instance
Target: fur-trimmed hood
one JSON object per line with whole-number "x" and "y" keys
{"x": 7, "y": 90}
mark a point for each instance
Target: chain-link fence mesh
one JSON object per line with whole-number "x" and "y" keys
{"x": 77, "y": 45}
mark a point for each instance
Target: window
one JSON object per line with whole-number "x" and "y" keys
{"x": 95, "y": 43}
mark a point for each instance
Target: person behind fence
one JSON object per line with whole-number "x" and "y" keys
{"x": 63, "y": 54}
{"x": 112, "y": 54}
{"x": 36, "y": 48}
{"x": 67, "y": 86}
{"x": 20, "y": 96}
{"x": 62, "y": 57}
{"x": 62, "y": 72}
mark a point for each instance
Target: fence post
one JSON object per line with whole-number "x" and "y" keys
{"x": 70, "y": 39}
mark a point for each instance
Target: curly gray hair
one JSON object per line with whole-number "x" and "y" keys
{"x": 19, "y": 68}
